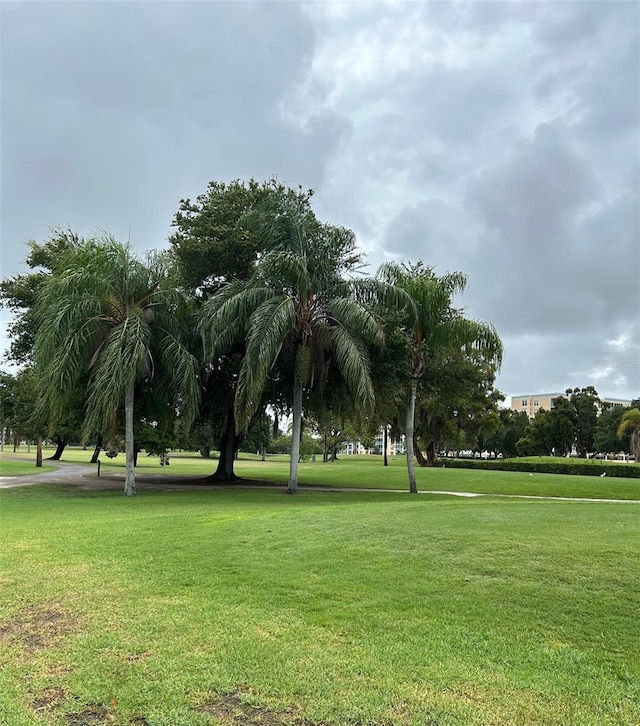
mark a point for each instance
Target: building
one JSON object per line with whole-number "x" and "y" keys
{"x": 394, "y": 446}
{"x": 532, "y": 403}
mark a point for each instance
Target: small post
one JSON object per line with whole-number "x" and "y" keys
{"x": 98, "y": 462}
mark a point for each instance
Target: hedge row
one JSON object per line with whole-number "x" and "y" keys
{"x": 585, "y": 468}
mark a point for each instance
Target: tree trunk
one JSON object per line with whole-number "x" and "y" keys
{"x": 39, "y": 451}
{"x": 61, "y": 442}
{"x": 432, "y": 453}
{"x": 295, "y": 435}
{"x": 411, "y": 409}
{"x": 385, "y": 445}
{"x": 130, "y": 477}
{"x": 229, "y": 443}
{"x": 96, "y": 451}
{"x": 420, "y": 457}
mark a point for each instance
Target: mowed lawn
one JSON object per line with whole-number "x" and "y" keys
{"x": 247, "y": 606}
{"x": 368, "y": 472}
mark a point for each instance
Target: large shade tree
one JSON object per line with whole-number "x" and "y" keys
{"x": 214, "y": 243}
{"x": 436, "y": 326}
{"x": 298, "y": 304}
{"x": 122, "y": 320}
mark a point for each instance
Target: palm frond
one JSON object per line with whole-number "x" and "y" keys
{"x": 268, "y": 327}
{"x": 353, "y": 315}
{"x": 223, "y": 320}
{"x": 353, "y": 363}
{"x": 478, "y": 335}
{"x": 121, "y": 362}
{"x": 183, "y": 370}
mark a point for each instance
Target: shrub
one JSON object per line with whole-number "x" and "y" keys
{"x": 582, "y": 468}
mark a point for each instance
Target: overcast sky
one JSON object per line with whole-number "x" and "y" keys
{"x": 499, "y": 139}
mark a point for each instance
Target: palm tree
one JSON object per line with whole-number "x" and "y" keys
{"x": 298, "y": 301}
{"x": 123, "y": 320}
{"x": 630, "y": 422}
{"x": 437, "y": 326}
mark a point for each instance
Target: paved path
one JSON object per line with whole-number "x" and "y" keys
{"x": 85, "y": 476}
{"x": 64, "y": 472}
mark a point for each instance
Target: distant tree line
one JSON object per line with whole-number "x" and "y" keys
{"x": 580, "y": 422}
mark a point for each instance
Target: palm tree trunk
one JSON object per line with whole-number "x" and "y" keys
{"x": 39, "y": 451}
{"x": 130, "y": 477}
{"x": 295, "y": 435}
{"x": 408, "y": 432}
{"x": 385, "y": 445}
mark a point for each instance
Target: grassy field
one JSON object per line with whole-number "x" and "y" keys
{"x": 18, "y": 468}
{"x": 369, "y": 472}
{"x": 245, "y": 606}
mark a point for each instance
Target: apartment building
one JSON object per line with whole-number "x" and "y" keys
{"x": 532, "y": 403}
{"x": 394, "y": 446}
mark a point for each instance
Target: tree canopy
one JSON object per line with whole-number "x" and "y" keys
{"x": 121, "y": 320}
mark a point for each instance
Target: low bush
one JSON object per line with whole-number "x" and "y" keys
{"x": 562, "y": 466}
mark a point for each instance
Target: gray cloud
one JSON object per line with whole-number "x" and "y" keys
{"x": 112, "y": 112}
{"x": 500, "y": 139}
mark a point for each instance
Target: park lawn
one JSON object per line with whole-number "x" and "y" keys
{"x": 332, "y": 608}
{"x": 369, "y": 472}
{"x": 17, "y": 468}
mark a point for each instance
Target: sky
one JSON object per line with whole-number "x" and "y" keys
{"x": 500, "y": 139}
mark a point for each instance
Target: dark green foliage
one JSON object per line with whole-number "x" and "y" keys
{"x": 217, "y": 240}
{"x": 118, "y": 320}
{"x": 606, "y": 439}
{"x": 214, "y": 240}
{"x": 259, "y": 435}
{"x": 299, "y": 303}
{"x": 585, "y": 417}
{"x": 434, "y": 329}
{"x": 511, "y": 428}
{"x": 18, "y": 293}
{"x": 583, "y": 468}
{"x": 8, "y": 401}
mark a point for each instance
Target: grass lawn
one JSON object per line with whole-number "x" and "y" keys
{"x": 245, "y": 606}
{"x": 17, "y": 468}
{"x": 369, "y": 472}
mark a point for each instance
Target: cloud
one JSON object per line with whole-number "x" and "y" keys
{"x": 499, "y": 139}
{"x": 114, "y": 111}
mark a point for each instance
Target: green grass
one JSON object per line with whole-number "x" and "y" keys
{"x": 340, "y": 608}
{"x": 369, "y": 472}
{"x": 17, "y": 468}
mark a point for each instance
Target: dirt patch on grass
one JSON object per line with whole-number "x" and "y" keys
{"x": 231, "y": 709}
{"x": 90, "y": 716}
{"x": 48, "y": 700}
{"x": 98, "y": 715}
{"x": 38, "y": 627}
